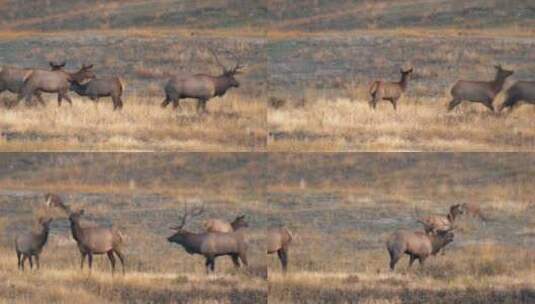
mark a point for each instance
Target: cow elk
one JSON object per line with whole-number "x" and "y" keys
{"x": 30, "y": 244}
{"x": 102, "y": 87}
{"x": 418, "y": 245}
{"x": 218, "y": 225}
{"x": 56, "y": 81}
{"x": 201, "y": 86}
{"x": 391, "y": 91}
{"x": 279, "y": 240}
{"x": 520, "y": 91}
{"x": 209, "y": 244}
{"x": 435, "y": 222}
{"x": 479, "y": 91}
{"x": 12, "y": 80}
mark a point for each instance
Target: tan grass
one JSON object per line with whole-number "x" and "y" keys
{"x": 235, "y": 124}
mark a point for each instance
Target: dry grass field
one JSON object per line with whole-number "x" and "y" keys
{"x": 342, "y": 207}
{"x": 142, "y": 195}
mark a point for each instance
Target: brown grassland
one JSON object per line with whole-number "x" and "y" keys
{"x": 141, "y": 195}
{"x": 342, "y": 208}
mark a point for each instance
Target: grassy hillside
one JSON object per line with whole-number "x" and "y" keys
{"x": 310, "y": 15}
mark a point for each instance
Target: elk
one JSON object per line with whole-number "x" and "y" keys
{"x": 209, "y": 244}
{"x": 218, "y": 225}
{"x": 391, "y": 91}
{"x": 31, "y": 243}
{"x": 520, "y": 91}
{"x": 474, "y": 210}
{"x": 102, "y": 87}
{"x": 418, "y": 245}
{"x": 201, "y": 86}
{"x": 91, "y": 240}
{"x": 435, "y": 222}
{"x": 279, "y": 240}
{"x": 479, "y": 91}
{"x": 55, "y": 81}
{"x": 12, "y": 80}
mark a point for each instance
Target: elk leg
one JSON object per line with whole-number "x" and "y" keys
{"x": 421, "y": 260}
{"x": 19, "y": 256}
{"x": 243, "y": 258}
{"x": 24, "y": 257}
{"x": 90, "y": 261}
{"x": 37, "y": 262}
{"x": 112, "y": 261}
{"x": 394, "y": 258}
{"x": 207, "y": 264}
{"x": 235, "y": 260}
{"x": 121, "y": 258}
{"x": 394, "y": 104}
{"x": 67, "y": 97}
{"x": 176, "y": 104}
{"x": 411, "y": 260}
{"x": 40, "y": 98}
{"x": 59, "y": 100}
{"x": 82, "y": 260}
{"x": 31, "y": 261}
{"x": 489, "y": 105}
{"x": 283, "y": 257}
{"x": 453, "y": 103}
{"x": 117, "y": 102}
{"x": 165, "y": 102}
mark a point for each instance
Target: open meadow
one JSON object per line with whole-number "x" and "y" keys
{"x": 341, "y": 209}
{"x": 142, "y": 195}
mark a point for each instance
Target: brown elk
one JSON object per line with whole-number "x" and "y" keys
{"x": 91, "y": 240}
{"x": 102, "y": 87}
{"x": 208, "y": 244}
{"x": 55, "y": 81}
{"x": 12, "y": 80}
{"x": 201, "y": 86}
{"x": 479, "y": 91}
{"x": 474, "y": 210}
{"x": 436, "y": 222}
{"x": 418, "y": 245}
{"x": 31, "y": 243}
{"x": 391, "y": 91}
{"x": 218, "y": 225}
{"x": 520, "y": 91}
{"x": 279, "y": 240}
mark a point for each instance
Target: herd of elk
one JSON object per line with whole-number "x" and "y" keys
{"x": 210, "y": 244}
{"x": 436, "y": 236}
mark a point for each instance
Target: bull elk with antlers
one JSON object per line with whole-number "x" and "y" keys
{"x": 208, "y": 244}
{"x": 201, "y": 86}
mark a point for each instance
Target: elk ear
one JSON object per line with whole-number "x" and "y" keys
{"x": 81, "y": 212}
{"x": 176, "y": 228}
{"x": 410, "y": 71}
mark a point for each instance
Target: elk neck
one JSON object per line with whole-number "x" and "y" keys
{"x": 498, "y": 82}
{"x": 79, "y": 88}
{"x": 403, "y": 82}
{"x": 221, "y": 83}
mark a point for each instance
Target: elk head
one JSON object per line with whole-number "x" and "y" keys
{"x": 406, "y": 73}
{"x": 180, "y": 231}
{"x": 239, "y": 222}
{"x": 83, "y": 75}
{"x": 56, "y": 66}
{"x": 53, "y": 200}
{"x": 229, "y": 73}
{"x": 455, "y": 211}
{"x": 501, "y": 73}
{"x": 441, "y": 239}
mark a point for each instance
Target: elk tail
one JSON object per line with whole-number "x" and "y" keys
{"x": 374, "y": 87}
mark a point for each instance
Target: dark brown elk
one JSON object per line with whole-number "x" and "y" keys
{"x": 479, "y": 91}
{"x": 93, "y": 240}
{"x": 209, "y": 244}
{"x": 418, "y": 245}
{"x": 201, "y": 86}
{"x": 31, "y": 243}
{"x": 279, "y": 240}
{"x": 520, "y": 91}
{"x": 56, "y": 81}
{"x": 391, "y": 91}
{"x": 102, "y": 87}
{"x": 436, "y": 222}
{"x": 12, "y": 80}
{"x": 473, "y": 210}
{"x": 218, "y": 225}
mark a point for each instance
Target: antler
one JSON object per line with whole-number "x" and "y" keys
{"x": 196, "y": 212}
{"x": 237, "y": 67}
{"x": 217, "y": 60}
